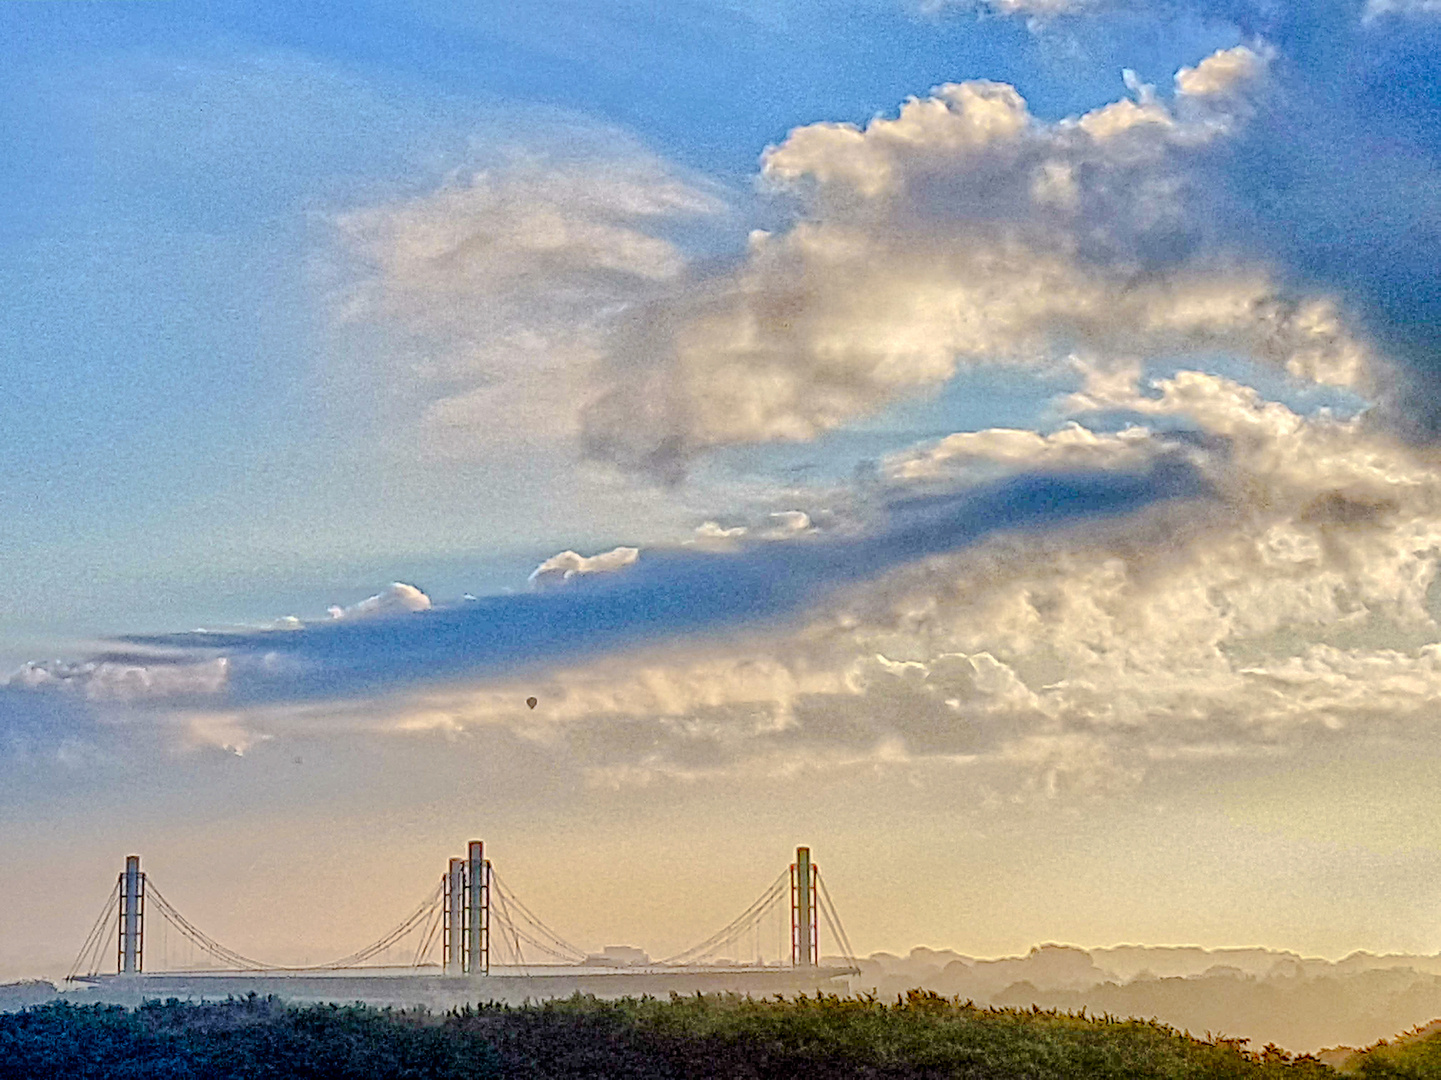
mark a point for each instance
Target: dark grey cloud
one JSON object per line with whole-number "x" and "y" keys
{"x": 666, "y": 594}
{"x": 1337, "y": 179}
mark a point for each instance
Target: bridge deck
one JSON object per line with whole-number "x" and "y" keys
{"x": 409, "y": 987}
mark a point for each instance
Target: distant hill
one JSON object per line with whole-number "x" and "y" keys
{"x": 1262, "y": 995}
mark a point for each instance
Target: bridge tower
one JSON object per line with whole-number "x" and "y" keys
{"x": 477, "y": 910}
{"x": 465, "y": 927}
{"x": 130, "y": 958}
{"x": 453, "y": 949}
{"x": 805, "y": 940}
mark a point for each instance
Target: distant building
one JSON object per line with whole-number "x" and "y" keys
{"x": 619, "y": 956}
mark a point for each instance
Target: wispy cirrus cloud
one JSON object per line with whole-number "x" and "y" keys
{"x": 485, "y": 302}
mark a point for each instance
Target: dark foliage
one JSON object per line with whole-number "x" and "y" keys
{"x": 1415, "y": 1056}
{"x": 695, "y": 1038}
{"x": 249, "y": 1039}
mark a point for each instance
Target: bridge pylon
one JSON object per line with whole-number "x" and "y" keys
{"x": 477, "y": 910}
{"x": 130, "y": 948}
{"x": 805, "y": 931}
{"x": 465, "y": 931}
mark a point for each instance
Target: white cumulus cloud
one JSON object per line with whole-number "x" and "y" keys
{"x": 126, "y": 680}
{"x": 397, "y": 598}
{"x": 1289, "y": 605}
{"x": 964, "y": 230}
{"x": 569, "y": 564}
{"x": 1007, "y": 449}
{"x": 715, "y": 532}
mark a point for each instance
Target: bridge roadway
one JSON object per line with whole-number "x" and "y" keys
{"x": 406, "y": 987}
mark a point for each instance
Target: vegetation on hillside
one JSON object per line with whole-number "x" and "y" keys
{"x": 1414, "y": 1056}
{"x": 920, "y": 1035}
{"x": 1265, "y": 995}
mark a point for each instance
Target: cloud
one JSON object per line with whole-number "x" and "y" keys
{"x": 228, "y": 731}
{"x": 558, "y": 304}
{"x": 1055, "y": 613}
{"x": 1376, "y": 9}
{"x": 787, "y": 524}
{"x": 126, "y": 678}
{"x": 397, "y": 598}
{"x": 1051, "y": 616}
{"x": 568, "y": 565}
{"x": 1037, "y": 12}
{"x": 1284, "y": 603}
{"x": 964, "y": 230}
{"x": 174, "y": 677}
{"x": 667, "y": 596}
{"x": 1226, "y": 72}
{"x": 986, "y": 452}
{"x": 715, "y": 532}
{"x": 490, "y": 294}
{"x": 1329, "y": 179}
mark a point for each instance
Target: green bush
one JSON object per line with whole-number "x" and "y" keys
{"x": 246, "y": 1039}
{"x": 921, "y": 1035}
{"x": 1411, "y": 1057}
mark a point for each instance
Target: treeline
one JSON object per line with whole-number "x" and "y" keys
{"x": 1416, "y": 1056}
{"x": 1266, "y": 996}
{"x": 921, "y": 1035}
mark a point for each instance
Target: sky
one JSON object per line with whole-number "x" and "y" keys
{"x": 992, "y": 442}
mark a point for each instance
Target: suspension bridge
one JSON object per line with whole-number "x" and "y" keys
{"x": 470, "y": 937}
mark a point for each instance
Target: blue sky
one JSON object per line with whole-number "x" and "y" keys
{"x": 879, "y": 368}
{"x": 167, "y": 187}
{"x": 167, "y": 171}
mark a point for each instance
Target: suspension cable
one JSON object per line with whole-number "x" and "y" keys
{"x": 94, "y": 940}
{"x": 739, "y": 925}
{"x": 504, "y": 920}
{"x": 232, "y": 958}
{"x": 752, "y": 914}
{"x": 542, "y": 946}
{"x": 561, "y": 946}
{"x": 432, "y": 929}
{"x": 200, "y": 939}
{"x": 737, "y": 935}
{"x": 419, "y": 915}
{"x": 833, "y": 919}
